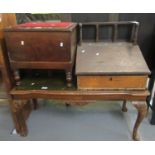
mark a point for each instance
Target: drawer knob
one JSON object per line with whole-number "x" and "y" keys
{"x": 61, "y": 44}
{"x": 22, "y": 42}
{"x": 110, "y": 78}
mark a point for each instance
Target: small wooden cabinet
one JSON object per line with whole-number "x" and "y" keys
{"x": 42, "y": 46}
{"x": 111, "y": 65}
{"x": 117, "y": 65}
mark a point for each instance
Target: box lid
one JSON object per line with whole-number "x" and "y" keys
{"x": 43, "y": 26}
{"x": 120, "y": 58}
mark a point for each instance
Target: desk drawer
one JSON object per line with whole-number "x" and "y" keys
{"x": 112, "y": 82}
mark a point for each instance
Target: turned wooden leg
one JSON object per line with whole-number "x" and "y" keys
{"x": 142, "y": 110}
{"x": 35, "y": 104}
{"x": 124, "y": 108}
{"x": 69, "y": 78}
{"x": 17, "y": 77}
{"x": 20, "y": 111}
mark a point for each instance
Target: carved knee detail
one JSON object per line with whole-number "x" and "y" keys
{"x": 18, "y": 105}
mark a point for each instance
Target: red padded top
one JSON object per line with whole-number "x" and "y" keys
{"x": 45, "y": 24}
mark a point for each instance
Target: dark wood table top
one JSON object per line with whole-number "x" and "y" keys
{"x": 106, "y": 58}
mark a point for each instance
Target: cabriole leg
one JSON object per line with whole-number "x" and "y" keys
{"x": 20, "y": 111}
{"x": 35, "y": 104}
{"x": 142, "y": 110}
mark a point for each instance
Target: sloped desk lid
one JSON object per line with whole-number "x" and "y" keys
{"x": 120, "y": 58}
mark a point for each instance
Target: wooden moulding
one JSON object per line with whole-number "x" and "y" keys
{"x": 41, "y": 65}
{"x": 77, "y": 95}
{"x": 111, "y": 82}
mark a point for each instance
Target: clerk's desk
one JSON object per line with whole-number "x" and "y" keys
{"x": 104, "y": 71}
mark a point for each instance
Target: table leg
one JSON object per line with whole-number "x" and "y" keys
{"x": 69, "y": 78}
{"x": 142, "y": 110}
{"x": 67, "y": 104}
{"x": 77, "y": 102}
{"x": 35, "y": 104}
{"x": 124, "y": 107}
{"x": 17, "y": 77}
{"x": 20, "y": 111}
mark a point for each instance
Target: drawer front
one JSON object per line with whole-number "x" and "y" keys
{"x": 38, "y": 46}
{"x": 111, "y": 82}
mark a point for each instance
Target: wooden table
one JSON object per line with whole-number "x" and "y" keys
{"x": 21, "y": 105}
{"x": 21, "y": 101}
{"x": 125, "y": 73}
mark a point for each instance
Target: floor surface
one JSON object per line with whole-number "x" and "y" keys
{"x": 100, "y": 121}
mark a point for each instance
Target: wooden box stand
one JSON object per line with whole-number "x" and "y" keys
{"x": 38, "y": 45}
{"x": 124, "y": 78}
